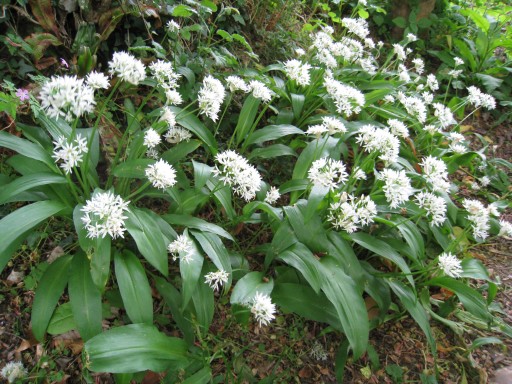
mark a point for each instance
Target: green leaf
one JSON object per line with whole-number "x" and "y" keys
{"x": 27, "y": 182}
{"x": 297, "y": 105}
{"x": 471, "y": 299}
{"x": 100, "y": 262}
{"x": 133, "y": 348}
{"x": 196, "y": 223}
{"x": 204, "y": 304}
{"x": 474, "y": 269}
{"x": 134, "y": 169}
{"x": 225, "y": 35}
{"x": 85, "y": 298}
{"x": 302, "y": 300}
{"x": 180, "y": 151}
{"x": 479, "y": 20}
{"x": 274, "y": 150}
{"x": 340, "y": 249}
{"x": 14, "y": 226}
{"x": 301, "y": 258}
{"x": 310, "y": 233}
{"x": 182, "y": 11}
{"x": 25, "y": 148}
{"x": 412, "y": 236}
{"x": 86, "y": 243}
{"x": 412, "y": 304}
{"x": 316, "y": 196}
{"x": 246, "y": 118}
{"x": 152, "y": 244}
{"x": 315, "y": 150}
{"x": 202, "y": 173}
{"x": 193, "y": 124}
{"x": 243, "y": 41}
{"x": 344, "y": 294}
{"x": 50, "y": 289}
{"x": 134, "y": 287}
{"x": 283, "y": 239}
{"x": 203, "y": 376}
{"x": 223, "y": 195}
{"x": 62, "y": 320}
{"x": 216, "y": 251}
{"x": 477, "y": 343}
{"x": 190, "y": 271}
{"x": 246, "y": 288}
{"x": 272, "y": 132}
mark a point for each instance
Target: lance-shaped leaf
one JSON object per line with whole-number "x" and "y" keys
{"x": 190, "y": 270}
{"x": 246, "y": 288}
{"x": 27, "y": 182}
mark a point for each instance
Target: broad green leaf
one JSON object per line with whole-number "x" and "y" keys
{"x": 297, "y": 104}
{"x": 100, "y": 262}
{"x": 246, "y": 118}
{"x": 274, "y": 150}
{"x": 134, "y": 169}
{"x": 383, "y": 249}
{"x": 216, "y": 251}
{"x": 180, "y": 151}
{"x": 316, "y": 196}
{"x": 283, "y": 239}
{"x": 172, "y": 298}
{"x": 479, "y": 20}
{"x": 134, "y": 287}
{"x": 182, "y": 11}
{"x": 86, "y": 243}
{"x": 301, "y": 258}
{"x": 152, "y": 244}
{"x": 50, "y": 289}
{"x": 26, "y": 165}
{"x": 223, "y": 195}
{"x": 193, "y": 124}
{"x": 474, "y": 269}
{"x": 294, "y": 185}
{"x": 272, "y": 132}
{"x": 477, "y": 343}
{"x": 190, "y": 270}
{"x": 225, "y": 35}
{"x": 339, "y": 249}
{"x": 246, "y": 288}
{"x": 62, "y": 320}
{"x": 85, "y": 298}
{"x": 204, "y": 303}
{"x": 27, "y": 182}
{"x": 203, "y": 376}
{"x": 133, "y": 348}
{"x": 344, "y": 294}
{"x": 202, "y": 173}
{"x": 26, "y": 148}
{"x": 471, "y": 299}
{"x": 412, "y": 304}
{"x": 311, "y": 232}
{"x": 196, "y": 223}
{"x": 302, "y": 300}
{"x": 14, "y": 226}
{"x": 412, "y": 236}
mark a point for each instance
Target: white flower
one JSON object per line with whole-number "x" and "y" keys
{"x": 358, "y": 174}
{"x": 379, "y": 140}
{"x": 435, "y": 172}
{"x": 300, "y": 52}
{"x": 505, "y": 228}
{"x": 480, "y": 99}
{"x": 71, "y": 153}
{"x": 317, "y": 130}
{"x": 272, "y": 195}
{"x": 458, "y": 148}
{"x": 103, "y": 215}
{"x": 432, "y": 82}
{"x": 455, "y": 73}
{"x": 411, "y": 37}
{"x": 493, "y": 210}
{"x": 358, "y": 27}
{"x": 458, "y": 61}
{"x": 450, "y": 265}
{"x": 97, "y": 80}
{"x": 173, "y": 97}
{"x": 127, "y": 68}
{"x": 478, "y": 215}
{"x": 434, "y": 205}
{"x": 403, "y": 74}
{"x": 152, "y": 153}
{"x": 173, "y": 26}
{"x": 234, "y": 170}
{"x": 163, "y": 72}
{"x": 176, "y": 135}
{"x": 485, "y": 181}
{"x": 389, "y": 99}
{"x": 325, "y": 57}
{"x": 13, "y": 370}
{"x": 236, "y": 83}
{"x": 263, "y": 309}
{"x": 397, "y": 186}
{"x": 349, "y": 213}
{"x": 399, "y": 52}
{"x": 260, "y": 91}
{"x": 415, "y": 106}
{"x": 210, "y": 97}
{"x": 161, "y": 174}
{"x": 444, "y": 115}
{"x": 298, "y": 71}
{"x": 168, "y": 116}
{"x": 398, "y": 128}
{"x": 328, "y": 173}
{"x": 216, "y": 279}
{"x": 428, "y": 97}
{"x": 334, "y": 125}
{"x": 419, "y": 65}
{"x": 151, "y": 138}
{"x": 182, "y": 247}
{"x": 348, "y": 100}
{"x": 432, "y": 129}
{"x": 66, "y": 97}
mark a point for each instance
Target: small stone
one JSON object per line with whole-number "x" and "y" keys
{"x": 502, "y": 376}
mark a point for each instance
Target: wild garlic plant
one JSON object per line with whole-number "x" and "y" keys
{"x": 345, "y": 154}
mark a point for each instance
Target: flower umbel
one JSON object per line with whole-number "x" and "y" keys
{"x": 450, "y": 265}
{"x": 127, "y": 68}
{"x": 263, "y": 309}
{"x": 216, "y": 279}
{"x": 71, "y": 153}
{"x": 103, "y": 215}
{"x": 328, "y": 173}
{"x": 161, "y": 174}
{"x": 13, "y": 370}
{"x": 181, "y": 247}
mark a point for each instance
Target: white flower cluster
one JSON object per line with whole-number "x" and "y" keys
{"x": 168, "y": 117}
{"x": 216, "y": 279}
{"x": 348, "y": 100}
{"x": 210, "y": 97}
{"x": 298, "y": 71}
{"x": 444, "y": 115}
{"x": 236, "y": 83}
{"x": 328, "y": 172}
{"x": 127, "y": 68}
{"x": 71, "y": 154}
{"x": 151, "y": 138}
{"x": 97, "y": 80}
{"x": 415, "y": 106}
{"x": 103, "y": 215}
{"x": 478, "y": 215}
{"x": 181, "y": 247}
{"x": 434, "y": 205}
{"x": 161, "y": 174}
{"x": 260, "y": 91}
{"x": 397, "y": 186}
{"x": 164, "y": 74}
{"x": 272, "y": 195}
{"x": 379, "y": 140}
{"x": 358, "y": 27}
{"x": 435, "y": 173}
{"x": 457, "y": 142}
{"x": 505, "y": 228}
{"x": 172, "y": 26}
{"x": 66, "y": 97}
{"x": 234, "y": 170}
{"x": 263, "y": 309}
{"x": 450, "y": 265}
{"x": 398, "y": 128}
{"x": 330, "y": 125}
{"x": 350, "y": 213}
{"x": 176, "y": 135}
{"x": 399, "y": 51}
{"x": 13, "y": 370}
{"x": 480, "y": 99}
{"x": 432, "y": 82}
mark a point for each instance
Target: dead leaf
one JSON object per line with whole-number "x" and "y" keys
{"x": 14, "y": 277}
{"x": 71, "y": 340}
